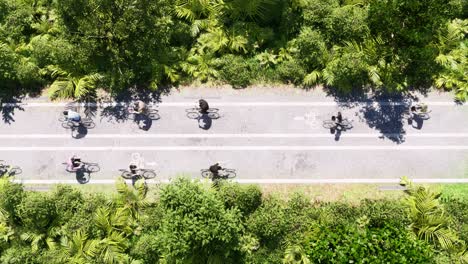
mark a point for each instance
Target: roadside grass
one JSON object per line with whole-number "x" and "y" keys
{"x": 350, "y": 193}
{"x": 457, "y": 191}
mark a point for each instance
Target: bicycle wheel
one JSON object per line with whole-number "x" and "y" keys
{"x": 206, "y": 174}
{"x": 213, "y": 115}
{"x": 192, "y": 110}
{"x": 14, "y": 171}
{"x": 62, "y": 119}
{"x": 230, "y": 174}
{"x": 212, "y": 110}
{"x": 88, "y": 123}
{"x": 193, "y": 115}
{"x": 346, "y": 124}
{"x": 127, "y": 175}
{"x": 92, "y": 168}
{"x": 329, "y": 124}
{"x": 154, "y": 116}
{"x": 424, "y": 116}
{"x": 149, "y": 174}
{"x": 67, "y": 124}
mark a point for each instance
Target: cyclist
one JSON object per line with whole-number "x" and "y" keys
{"x": 203, "y": 106}
{"x": 139, "y": 107}
{"x": 72, "y": 116}
{"x": 75, "y": 163}
{"x": 214, "y": 169}
{"x": 339, "y": 117}
{"x": 133, "y": 169}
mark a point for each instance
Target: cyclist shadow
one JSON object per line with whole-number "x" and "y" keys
{"x": 83, "y": 177}
{"x": 337, "y": 132}
{"x": 143, "y": 122}
{"x": 79, "y": 132}
{"x": 416, "y": 122}
{"x": 205, "y": 122}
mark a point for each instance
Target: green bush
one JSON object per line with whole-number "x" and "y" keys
{"x": 196, "y": 227}
{"x": 345, "y": 244}
{"x": 236, "y": 71}
{"x": 384, "y": 212}
{"x": 11, "y": 195}
{"x": 291, "y": 71}
{"x": 269, "y": 222}
{"x": 458, "y": 209}
{"x": 36, "y": 211}
{"x": 247, "y": 198}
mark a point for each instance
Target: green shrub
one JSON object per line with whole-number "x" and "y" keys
{"x": 11, "y": 195}
{"x": 291, "y": 71}
{"x": 345, "y": 244}
{"x": 36, "y": 210}
{"x": 236, "y": 71}
{"x": 146, "y": 248}
{"x": 269, "y": 222}
{"x": 247, "y": 198}
{"x": 458, "y": 209}
{"x": 384, "y": 212}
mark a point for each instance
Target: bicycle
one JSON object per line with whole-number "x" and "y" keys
{"x": 86, "y": 167}
{"x": 227, "y": 174}
{"x": 421, "y": 111}
{"x": 149, "y": 112}
{"x": 145, "y": 173}
{"x": 68, "y": 124}
{"x": 9, "y": 170}
{"x": 194, "y": 113}
{"x": 345, "y": 124}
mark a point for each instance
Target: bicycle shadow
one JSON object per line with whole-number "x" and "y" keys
{"x": 205, "y": 122}
{"x": 82, "y": 176}
{"x": 416, "y": 122}
{"x": 79, "y": 132}
{"x": 143, "y": 122}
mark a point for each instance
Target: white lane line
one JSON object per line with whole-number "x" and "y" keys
{"x": 261, "y": 181}
{"x": 235, "y": 148}
{"x": 242, "y": 135}
{"x": 253, "y": 103}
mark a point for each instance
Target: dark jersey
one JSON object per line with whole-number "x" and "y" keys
{"x": 203, "y": 105}
{"x": 215, "y": 168}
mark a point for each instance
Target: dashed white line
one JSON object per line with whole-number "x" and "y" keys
{"x": 253, "y": 103}
{"x": 263, "y": 181}
{"x": 243, "y": 135}
{"x": 235, "y": 148}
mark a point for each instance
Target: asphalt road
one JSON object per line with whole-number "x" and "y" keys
{"x": 273, "y": 136}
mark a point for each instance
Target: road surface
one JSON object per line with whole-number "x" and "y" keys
{"x": 271, "y": 137}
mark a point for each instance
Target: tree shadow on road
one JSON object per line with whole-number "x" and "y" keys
{"x": 119, "y": 112}
{"x": 386, "y": 114}
{"x": 8, "y": 106}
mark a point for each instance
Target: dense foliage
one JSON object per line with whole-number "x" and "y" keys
{"x": 194, "y": 222}
{"x": 76, "y": 46}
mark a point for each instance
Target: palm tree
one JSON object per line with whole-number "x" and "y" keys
{"x": 428, "y": 218}
{"x": 453, "y": 48}
{"x": 67, "y": 85}
{"x": 47, "y": 239}
{"x": 133, "y": 199}
{"x": 294, "y": 254}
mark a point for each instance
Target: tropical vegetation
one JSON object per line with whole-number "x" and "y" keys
{"x": 77, "y": 46}
{"x": 189, "y": 221}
